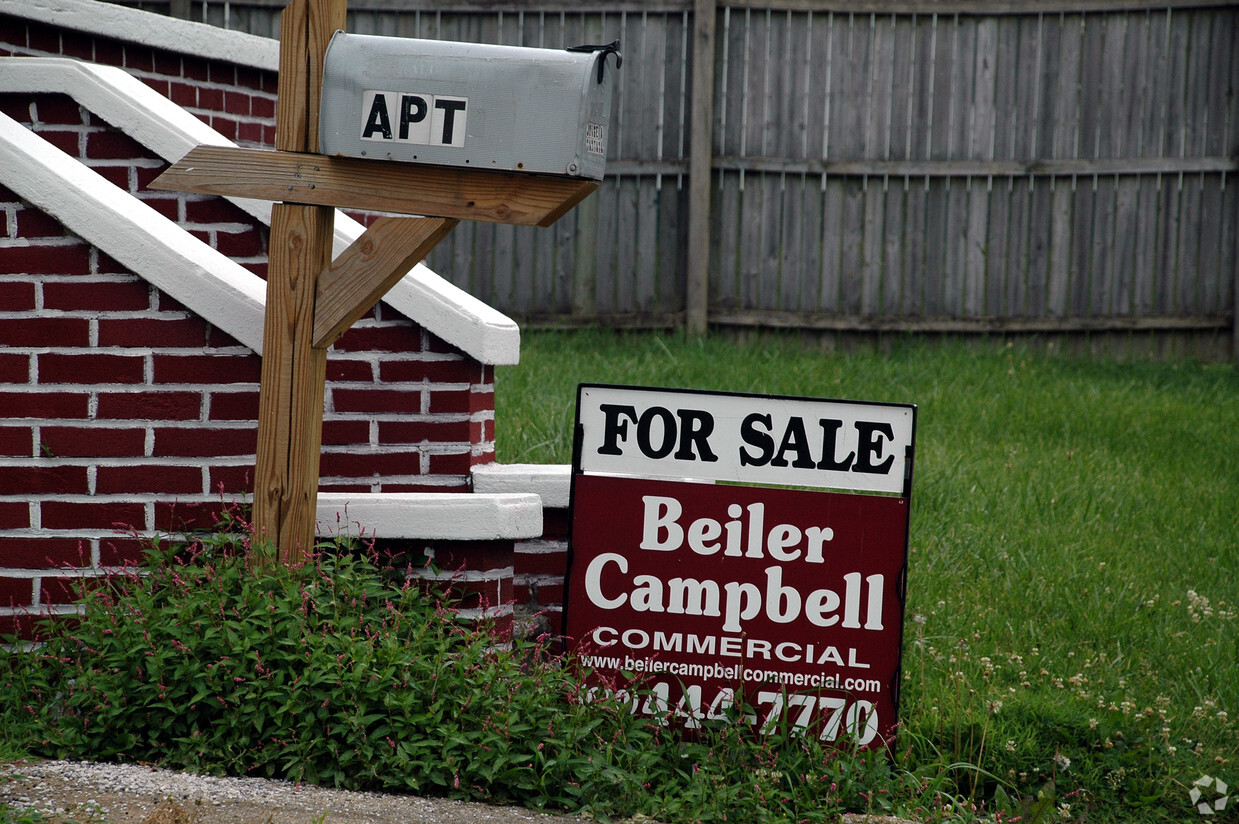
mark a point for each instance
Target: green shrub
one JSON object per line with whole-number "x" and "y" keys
{"x": 342, "y": 673}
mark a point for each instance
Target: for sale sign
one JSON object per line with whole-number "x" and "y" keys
{"x": 738, "y": 552}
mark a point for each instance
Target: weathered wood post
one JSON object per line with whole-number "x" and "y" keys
{"x": 701, "y": 162}
{"x": 290, "y": 406}
{"x": 311, "y": 300}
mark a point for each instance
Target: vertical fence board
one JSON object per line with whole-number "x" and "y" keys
{"x": 799, "y": 90}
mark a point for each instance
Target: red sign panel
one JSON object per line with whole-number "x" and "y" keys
{"x": 787, "y": 602}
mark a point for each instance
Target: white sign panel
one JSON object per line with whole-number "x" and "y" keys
{"x": 745, "y": 439}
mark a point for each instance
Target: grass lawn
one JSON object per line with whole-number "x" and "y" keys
{"x": 1072, "y": 602}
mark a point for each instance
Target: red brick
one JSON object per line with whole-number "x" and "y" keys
{"x": 13, "y": 368}
{"x": 376, "y": 400}
{"x": 43, "y": 480}
{"x": 66, "y": 142}
{"x": 90, "y": 368}
{"x": 167, "y": 303}
{"x": 204, "y": 443}
{"x": 225, "y": 126}
{"x": 442, "y": 347}
{"x": 223, "y": 73}
{"x": 457, "y": 464}
{"x": 353, "y": 371}
{"x": 44, "y": 404}
{"x": 194, "y": 68}
{"x": 183, "y": 94}
{"x": 380, "y": 339}
{"x": 43, "y": 553}
{"x": 475, "y": 556}
{"x": 248, "y": 78}
{"x": 157, "y": 84}
{"x": 391, "y": 432}
{"x": 479, "y": 401}
{"x": 152, "y": 406}
{"x": 168, "y": 63}
{"x": 16, "y": 441}
{"x": 212, "y": 99}
{"x": 219, "y": 339}
{"x": 452, "y": 371}
{"x": 484, "y": 456}
{"x": 139, "y": 58}
{"x": 118, "y": 552}
{"x": 145, "y": 174}
{"x": 207, "y": 368}
{"x": 232, "y": 480}
{"x": 246, "y": 243}
{"x": 109, "y": 52}
{"x": 166, "y": 205}
{"x": 482, "y": 431}
{"x": 103, "y": 296}
{"x": 59, "y": 109}
{"x": 236, "y": 102}
{"x": 344, "y": 433}
{"x": 39, "y": 259}
{"x": 18, "y": 108}
{"x": 33, "y": 223}
{"x": 175, "y": 516}
{"x": 121, "y": 516}
{"x": 16, "y": 592}
{"x": 92, "y": 442}
{"x": 161, "y": 333}
{"x": 41, "y": 37}
{"x": 444, "y": 401}
{"x": 262, "y": 107}
{"x": 14, "y": 515}
{"x": 213, "y": 210}
{"x": 105, "y": 264}
{"x": 250, "y": 132}
{"x": 118, "y": 176}
{"x": 234, "y": 406}
{"x": 259, "y": 269}
{"x": 47, "y": 331}
{"x": 168, "y": 480}
{"x": 541, "y": 563}
{"x": 60, "y": 589}
{"x": 368, "y": 465}
{"x": 79, "y": 46}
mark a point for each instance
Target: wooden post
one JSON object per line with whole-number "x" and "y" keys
{"x": 312, "y": 300}
{"x": 294, "y": 372}
{"x": 700, "y": 166}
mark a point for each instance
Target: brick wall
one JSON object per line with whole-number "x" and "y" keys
{"x": 236, "y": 101}
{"x": 122, "y": 410}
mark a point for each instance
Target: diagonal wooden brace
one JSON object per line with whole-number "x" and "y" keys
{"x": 374, "y": 263}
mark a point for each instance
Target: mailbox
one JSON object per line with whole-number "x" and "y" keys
{"x": 463, "y": 104}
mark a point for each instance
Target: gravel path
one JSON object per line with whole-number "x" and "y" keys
{"x": 90, "y": 793}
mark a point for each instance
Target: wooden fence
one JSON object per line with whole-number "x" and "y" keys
{"x": 951, "y": 166}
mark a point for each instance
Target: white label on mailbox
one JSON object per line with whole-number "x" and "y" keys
{"x": 407, "y": 117}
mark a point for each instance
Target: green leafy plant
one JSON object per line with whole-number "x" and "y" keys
{"x": 346, "y": 672}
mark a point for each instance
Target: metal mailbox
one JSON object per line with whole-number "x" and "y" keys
{"x": 465, "y": 104}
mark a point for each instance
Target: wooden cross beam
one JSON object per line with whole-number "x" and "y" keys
{"x": 311, "y": 300}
